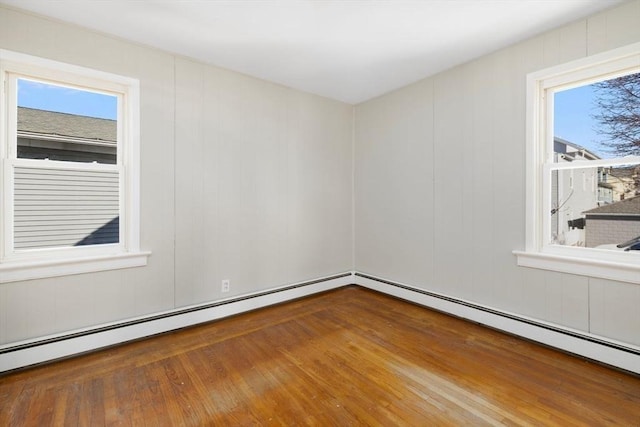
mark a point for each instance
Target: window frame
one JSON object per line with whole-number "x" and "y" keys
{"x": 593, "y": 262}
{"x": 16, "y": 265}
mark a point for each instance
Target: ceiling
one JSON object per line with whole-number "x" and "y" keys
{"x": 349, "y": 50}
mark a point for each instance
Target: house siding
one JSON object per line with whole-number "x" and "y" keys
{"x": 58, "y": 208}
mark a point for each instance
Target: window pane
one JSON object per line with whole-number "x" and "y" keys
{"x": 595, "y": 207}
{"x": 600, "y": 120}
{"x": 63, "y": 208}
{"x": 66, "y": 124}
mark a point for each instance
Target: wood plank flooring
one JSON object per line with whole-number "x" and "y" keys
{"x": 346, "y": 357}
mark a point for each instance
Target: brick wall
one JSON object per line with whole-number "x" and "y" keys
{"x": 608, "y": 230}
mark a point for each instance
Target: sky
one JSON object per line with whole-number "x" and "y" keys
{"x": 573, "y": 109}
{"x": 62, "y": 99}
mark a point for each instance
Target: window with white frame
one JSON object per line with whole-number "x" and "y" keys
{"x": 583, "y": 167}
{"x": 69, "y": 169}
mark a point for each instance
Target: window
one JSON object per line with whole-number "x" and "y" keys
{"x": 583, "y": 167}
{"x": 69, "y": 171}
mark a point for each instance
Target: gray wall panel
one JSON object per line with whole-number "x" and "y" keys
{"x": 468, "y": 194}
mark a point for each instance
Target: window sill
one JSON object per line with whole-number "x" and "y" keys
{"x": 28, "y": 270}
{"x": 611, "y": 270}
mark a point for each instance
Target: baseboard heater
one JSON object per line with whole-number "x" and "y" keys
{"x": 24, "y": 354}
{"x": 590, "y": 346}
{"x": 20, "y": 355}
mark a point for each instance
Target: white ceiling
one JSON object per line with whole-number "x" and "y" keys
{"x": 350, "y": 50}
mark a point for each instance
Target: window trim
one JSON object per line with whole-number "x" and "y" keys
{"x": 621, "y": 266}
{"x": 16, "y": 266}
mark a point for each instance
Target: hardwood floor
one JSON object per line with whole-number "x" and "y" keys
{"x": 347, "y": 357}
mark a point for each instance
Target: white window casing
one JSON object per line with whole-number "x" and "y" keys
{"x": 17, "y": 260}
{"x": 539, "y": 252}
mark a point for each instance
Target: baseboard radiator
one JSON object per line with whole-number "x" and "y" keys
{"x": 620, "y": 355}
{"x": 23, "y": 354}
{"x": 45, "y": 349}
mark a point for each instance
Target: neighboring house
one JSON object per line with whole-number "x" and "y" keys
{"x": 71, "y": 208}
{"x": 569, "y": 151}
{"x": 613, "y": 223}
{"x": 625, "y": 182}
{"x": 573, "y": 192}
{"x": 592, "y": 206}
{"x": 59, "y": 136}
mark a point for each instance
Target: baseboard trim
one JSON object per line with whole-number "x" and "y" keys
{"x": 619, "y": 355}
{"x": 45, "y": 349}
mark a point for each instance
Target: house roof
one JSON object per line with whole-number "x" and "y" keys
{"x": 40, "y": 123}
{"x": 576, "y": 149}
{"x": 623, "y": 172}
{"x": 623, "y": 207}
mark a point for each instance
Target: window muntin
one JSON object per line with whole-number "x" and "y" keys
{"x": 91, "y": 210}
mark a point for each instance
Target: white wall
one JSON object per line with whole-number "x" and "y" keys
{"x": 263, "y": 178}
{"x": 240, "y": 179}
{"x": 440, "y": 185}
{"x": 249, "y": 181}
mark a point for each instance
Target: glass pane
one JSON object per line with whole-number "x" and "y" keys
{"x": 66, "y": 124}
{"x": 595, "y": 207}
{"x": 599, "y": 120}
{"x": 64, "y": 208}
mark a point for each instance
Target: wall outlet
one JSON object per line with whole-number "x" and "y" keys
{"x": 226, "y": 285}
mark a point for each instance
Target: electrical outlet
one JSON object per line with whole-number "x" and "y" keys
{"x": 226, "y": 285}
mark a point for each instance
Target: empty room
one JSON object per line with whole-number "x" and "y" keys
{"x": 319, "y": 212}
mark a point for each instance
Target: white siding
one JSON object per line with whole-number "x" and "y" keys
{"x": 58, "y": 207}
